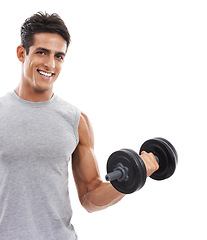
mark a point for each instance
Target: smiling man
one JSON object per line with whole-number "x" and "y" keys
{"x": 39, "y": 132}
{"x": 42, "y": 60}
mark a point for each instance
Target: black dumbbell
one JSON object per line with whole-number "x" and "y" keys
{"x": 127, "y": 172}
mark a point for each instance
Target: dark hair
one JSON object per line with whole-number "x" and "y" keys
{"x": 42, "y": 22}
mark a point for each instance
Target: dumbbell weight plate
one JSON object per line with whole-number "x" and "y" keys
{"x": 171, "y": 146}
{"x": 167, "y": 155}
{"x": 136, "y": 170}
{"x": 173, "y": 161}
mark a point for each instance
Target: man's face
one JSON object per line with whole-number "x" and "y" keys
{"x": 43, "y": 64}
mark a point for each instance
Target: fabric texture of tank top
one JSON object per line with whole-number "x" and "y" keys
{"x": 37, "y": 140}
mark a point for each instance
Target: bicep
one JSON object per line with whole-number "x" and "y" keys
{"x": 84, "y": 163}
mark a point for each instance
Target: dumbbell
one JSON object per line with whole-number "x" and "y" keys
{"x": 127, "y": 172}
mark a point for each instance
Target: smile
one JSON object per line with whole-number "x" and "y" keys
{"x": 45, "y": 74}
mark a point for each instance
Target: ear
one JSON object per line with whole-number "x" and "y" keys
{"x": 21, "y": 53}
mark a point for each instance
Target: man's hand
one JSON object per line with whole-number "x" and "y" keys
{"x": 150, "y": 162}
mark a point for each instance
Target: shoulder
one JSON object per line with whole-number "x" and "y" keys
{"x": 5, "y": 100}
{"x": 64, "y": 105}
{"x": 85, "y": 130}
{"x": 84, "y": 121}
{"x": 5, "y": 97}
{"x": 66, "y": 110}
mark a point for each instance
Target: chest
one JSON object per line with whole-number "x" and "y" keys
{"x": 36, "y": 133}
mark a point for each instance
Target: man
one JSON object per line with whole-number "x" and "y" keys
{"x": 39, "y": 132}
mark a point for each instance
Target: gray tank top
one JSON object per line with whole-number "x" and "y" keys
{"x": 36, "y": 143}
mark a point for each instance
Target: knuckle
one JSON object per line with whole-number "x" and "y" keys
{"x": 157, "y": 166}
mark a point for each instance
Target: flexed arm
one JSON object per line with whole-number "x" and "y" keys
{"x": 94, "y": 194}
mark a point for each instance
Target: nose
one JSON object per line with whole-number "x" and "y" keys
{"x": 50, "y": 63}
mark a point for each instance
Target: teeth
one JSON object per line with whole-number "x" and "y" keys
{"x": 45, "y": 74}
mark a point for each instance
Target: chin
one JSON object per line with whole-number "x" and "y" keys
{"x": 42, "y": 87}
{"x": 43, "y": 84}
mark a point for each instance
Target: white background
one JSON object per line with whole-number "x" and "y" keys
{"x": 138, "y": 70}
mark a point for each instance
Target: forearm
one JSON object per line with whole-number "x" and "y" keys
{"x": 103, "y": 196}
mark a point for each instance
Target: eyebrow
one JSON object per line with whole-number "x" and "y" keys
{"x": 49, "y": 51}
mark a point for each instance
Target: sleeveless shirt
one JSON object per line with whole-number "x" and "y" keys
{"x": 36, "y": 143}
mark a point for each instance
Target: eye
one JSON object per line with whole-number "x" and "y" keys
{"x": 40, "y": 53}
{"x": 59, "y": 57}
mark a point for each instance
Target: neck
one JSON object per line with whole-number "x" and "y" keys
{"x": 33, "y": 95}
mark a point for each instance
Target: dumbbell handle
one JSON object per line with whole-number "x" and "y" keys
{"x": 157, "y": 159}
{"x": 120, "y": 174}
{"x": 114, "y": 175}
